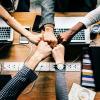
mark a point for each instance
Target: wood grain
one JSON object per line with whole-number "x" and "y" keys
{"x": 44, "y": 88}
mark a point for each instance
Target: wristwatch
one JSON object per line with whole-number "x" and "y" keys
{"x": 95, "y": 29}
{"x": 48, "y": 27}
{"x": 60, "y": 67}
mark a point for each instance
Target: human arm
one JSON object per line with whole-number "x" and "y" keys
{"x": 91, "y": 18}
{"x": 58, "y": 55}
{"x": 17, "y": 84}
{"x": 47, "y": 7}
{"x": 26, "y": 75}
{"x": 17, "y": 26}
{"x": 60, "y": 87}
{"x": 47, "y": 21}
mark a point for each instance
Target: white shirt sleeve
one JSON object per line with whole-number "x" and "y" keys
{"x": 92, "y": 17}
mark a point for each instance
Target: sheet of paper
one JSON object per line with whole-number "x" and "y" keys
{"x": 80, "y": 93}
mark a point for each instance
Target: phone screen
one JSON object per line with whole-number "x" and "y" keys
{"x": 36, "y": 24}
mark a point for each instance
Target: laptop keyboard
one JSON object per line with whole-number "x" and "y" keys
{"x": 5, "y": 33}
{"x": 79, "y": 36}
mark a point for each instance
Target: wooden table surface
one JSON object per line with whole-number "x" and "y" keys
{"x": 44, "y": 86}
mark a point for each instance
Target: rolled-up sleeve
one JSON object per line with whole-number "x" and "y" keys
{"x": 17, "y": 84}
{"x": 47, "y": 7}
{"x": 92, "y": 17}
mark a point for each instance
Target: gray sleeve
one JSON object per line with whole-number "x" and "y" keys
{"x": 61, "y": 85}
{"x": 47, "y": 7}
{"x": 92, "y": 17}
{"x": 17, "y": 84}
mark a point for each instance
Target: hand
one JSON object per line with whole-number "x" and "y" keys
{"x": 50, "y": 37}
{"x": 66, "y": 36}
{"x": 58, "y": 54}
{"x": 42, "y": 51}
{"x": 35, "y": 38}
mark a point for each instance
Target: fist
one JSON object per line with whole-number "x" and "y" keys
{"x": 43, "y": 50}
{"x": 58, "y": 54}
{"x": 35, "y": 38}
{"x": 66, "y": 36}
{"x": 49, "y": 37}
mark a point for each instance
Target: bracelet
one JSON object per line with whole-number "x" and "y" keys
{"x": 47, "y": 27}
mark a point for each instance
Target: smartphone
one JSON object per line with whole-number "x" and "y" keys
{"x": 36, "y": 24}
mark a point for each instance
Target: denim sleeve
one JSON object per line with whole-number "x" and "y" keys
{"x": 47, "y": 7}
{"x": 17, "y": 84}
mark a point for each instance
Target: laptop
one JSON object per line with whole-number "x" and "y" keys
{"x": 6, "y": 32}
{"x": 62, "y": 24}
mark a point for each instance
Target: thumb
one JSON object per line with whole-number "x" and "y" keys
{"x": 41, "y": 37}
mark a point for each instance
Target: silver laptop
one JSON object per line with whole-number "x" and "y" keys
{"x": 6, "y": 32}
{"x": 62, "y": 24}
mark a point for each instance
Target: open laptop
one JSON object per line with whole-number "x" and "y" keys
{"x": 62, "y": 24}
{"x": 6, "y": 32}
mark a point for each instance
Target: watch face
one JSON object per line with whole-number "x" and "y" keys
{"x": 60, "y": 67}
{"x": 96, "y": 29}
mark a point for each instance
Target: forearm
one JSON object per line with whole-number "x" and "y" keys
{"x": 13, "y": 23}
{"x": 17, "y": 84}
{"x": 18, "y": 27}
{"x": 34, "y": 60}
{"x": 76, "y": 28}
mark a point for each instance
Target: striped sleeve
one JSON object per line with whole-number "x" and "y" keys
{"x": 17, "y": 84}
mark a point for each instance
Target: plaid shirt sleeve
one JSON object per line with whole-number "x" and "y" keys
{"x": 17, "y": 84}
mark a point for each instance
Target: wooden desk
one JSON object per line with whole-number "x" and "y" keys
{"x": 44, "y": 88}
